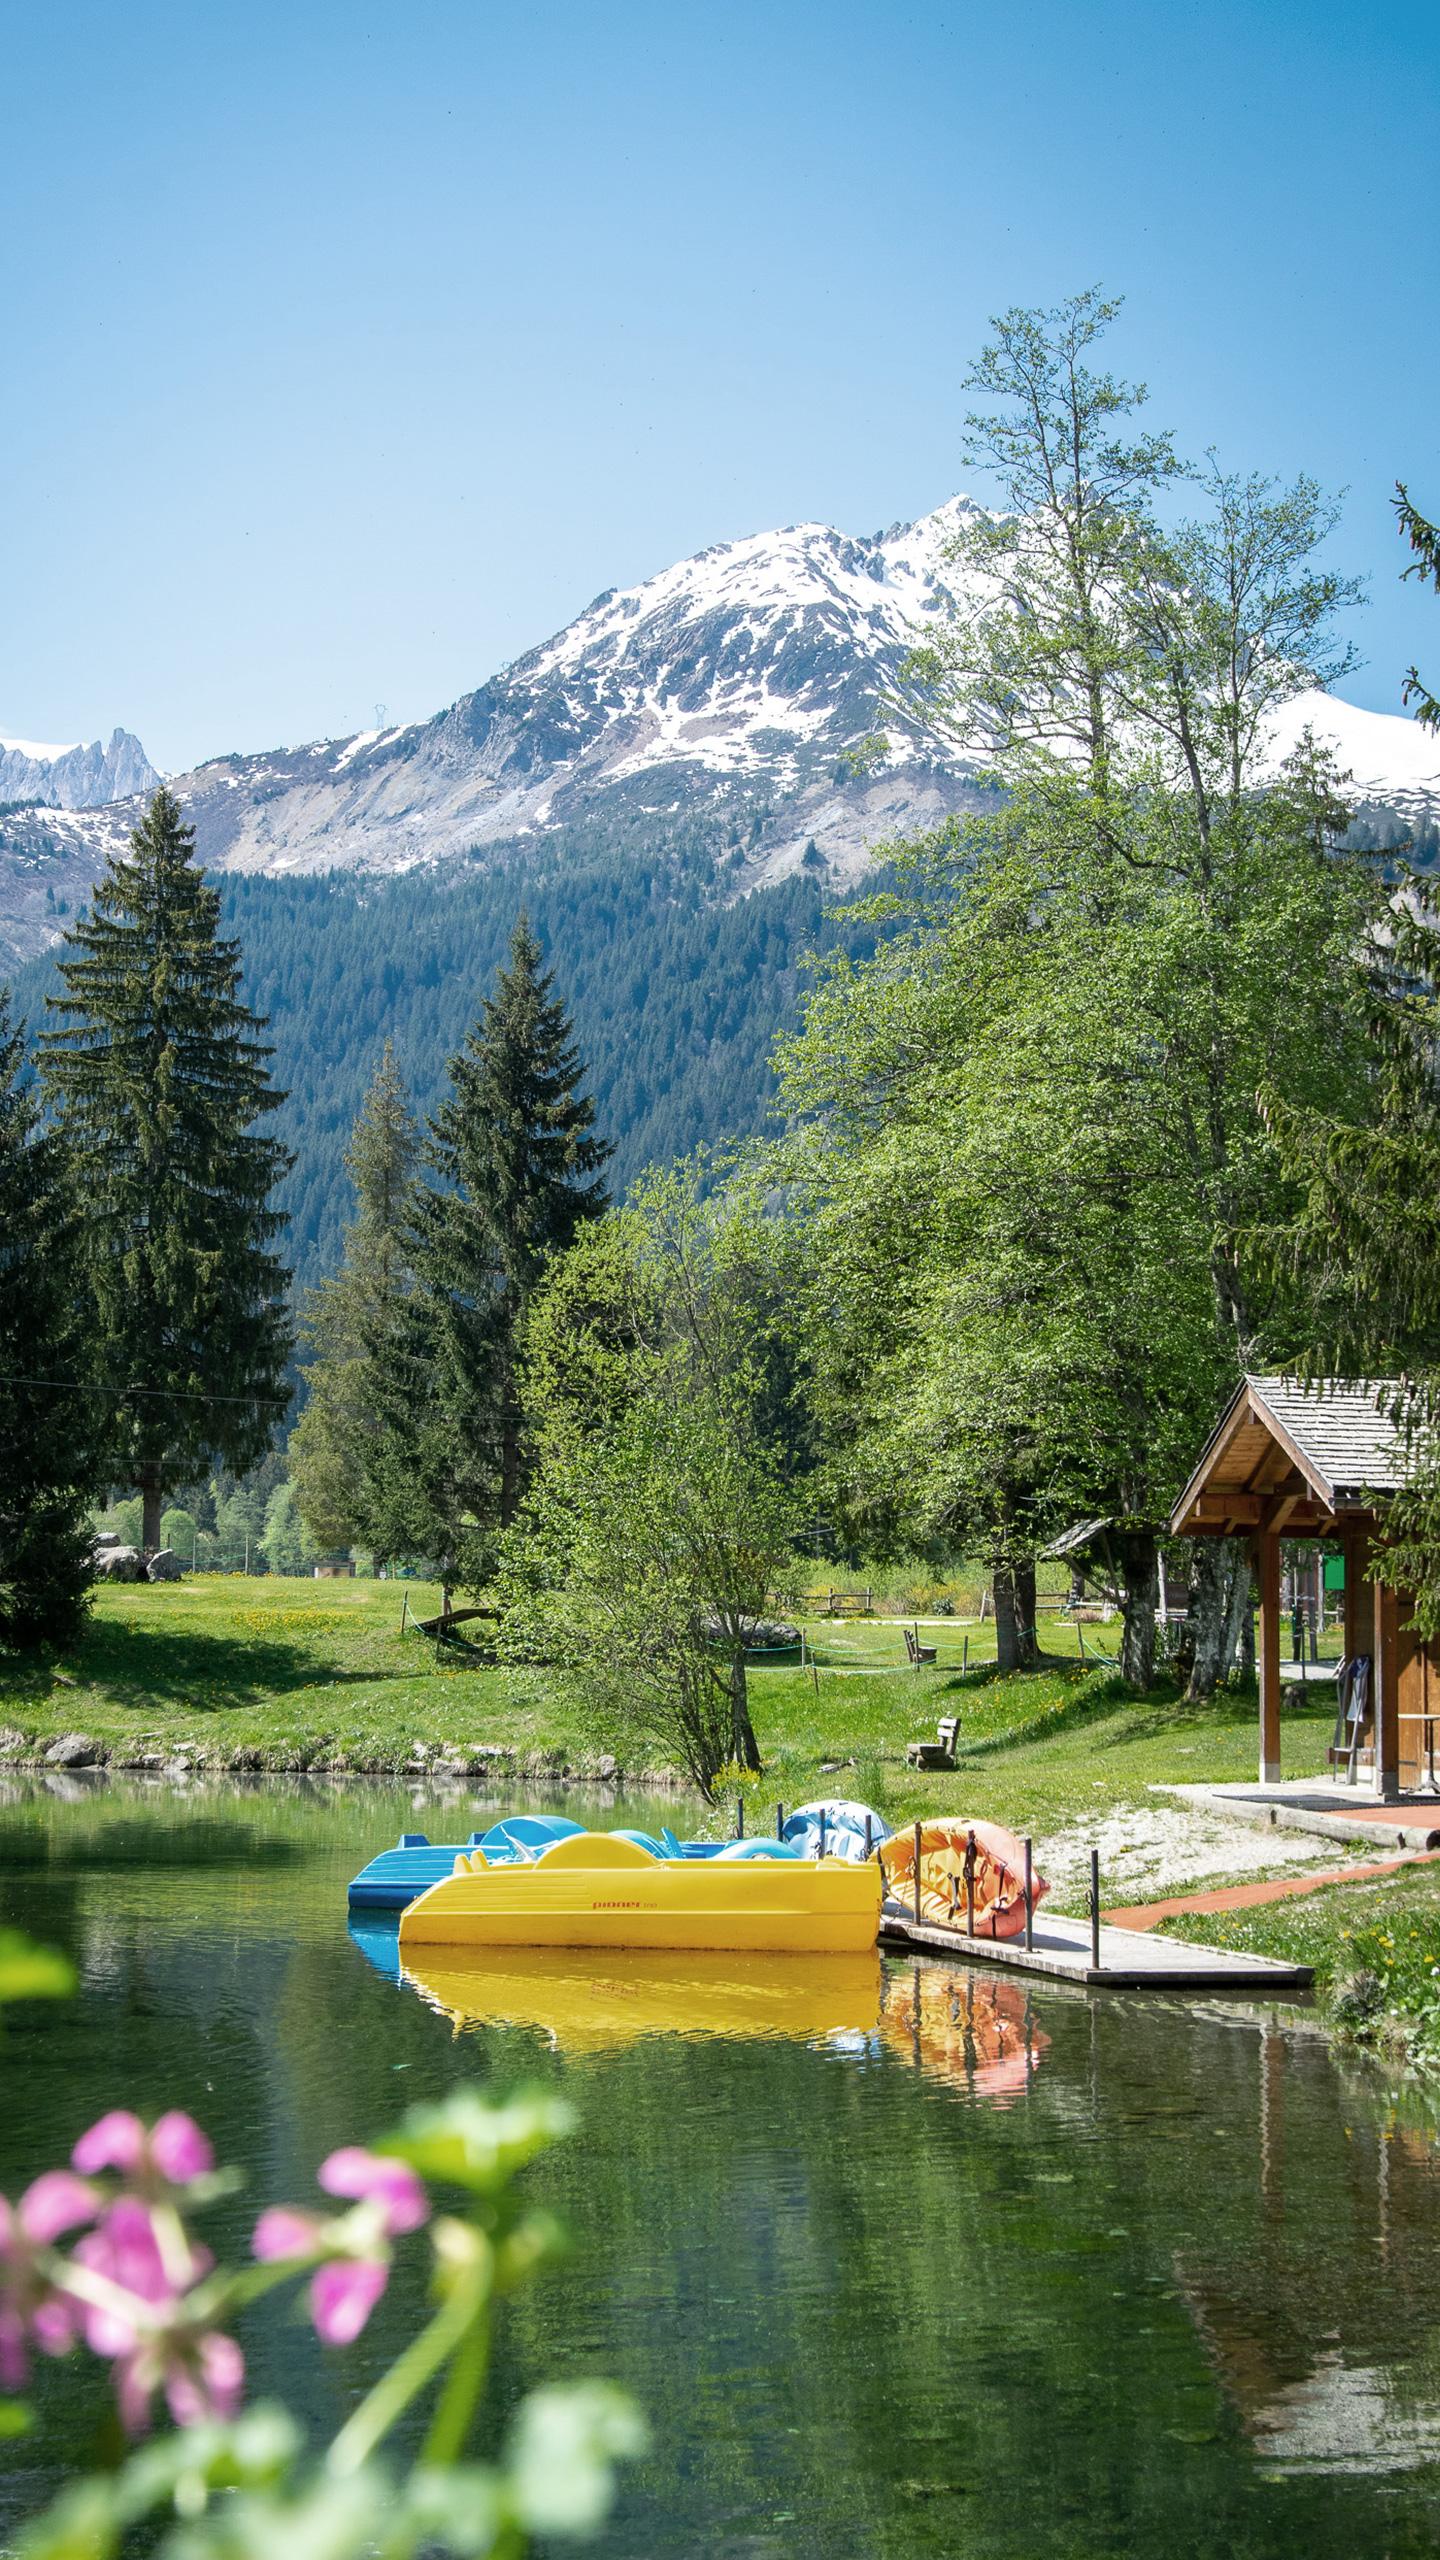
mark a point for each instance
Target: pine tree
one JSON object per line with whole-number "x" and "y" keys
{"x": 519, "y": 1174}
{"x": 50, "y": 1414}
{"x": 159, "y": 1079}
{"x": 1424, "y": 540}
{"x": 354, "y": 1324}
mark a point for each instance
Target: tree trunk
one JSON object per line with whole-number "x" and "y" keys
{"x": 1007, "y": 1641}
{"x": 1243, "y": 1617}
{"x": 746, "y": 1748}
{"x": 1016, "y": 1644}
{"x": 1207, "y": 1618}
{"x": 152, "y": 1497}
{"x": 1139, "y": 1559}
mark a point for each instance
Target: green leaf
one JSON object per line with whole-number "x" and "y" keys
{"x": 28, "y": 1972}
{"x": 330, "y": 2520}
{"x": 461, "y": 2506}
{"x": 472, "y": 2141}
{"x": 564, "y": 2445}
{"x": 254, "y": 2451}
{"x": 81, "y": 2525}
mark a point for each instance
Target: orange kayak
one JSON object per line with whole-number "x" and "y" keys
{"x": 963, "y": 1865}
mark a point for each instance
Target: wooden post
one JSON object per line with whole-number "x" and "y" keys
{"x": 1029, "y": 1893}
{"x": 1267, "y": 1563}
{"x": 1094, "y": 1910}
{"x": 964, "y": 1655}
{"x": 917, "y": 1875}
{"x": 739, "y": 1817}
{"x": 779, "y": 1822}
{"x": 1356, "y": 1549}
{"x": 1386, "y": 1692}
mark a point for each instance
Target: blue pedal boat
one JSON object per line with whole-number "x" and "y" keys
{"x": 392, "y": 1881}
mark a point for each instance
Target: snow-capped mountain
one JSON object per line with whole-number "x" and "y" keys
{"x": 736, "y": 681}
{"x": 75, "y": 777}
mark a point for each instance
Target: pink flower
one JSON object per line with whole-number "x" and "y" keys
{"x": 371, "y": 2180}
{"x": 55, "y": 2202}
{"x": 201, "y": 2372}
{"x": 128, "y": 2251}
{"x": 174, "y": 2150}
{"x": 343, "y": 2295}
{"x": 32, "y": 2310}
{"x": 345, "y": 2290}
{"x": 116, "y": 2142}
{"x": 282, "y": 2232}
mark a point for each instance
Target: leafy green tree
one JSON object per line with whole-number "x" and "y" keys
{"x": 239, "y": 1528}
{"x": 51, "y": 1439}
{"x": 159, "y": 1079}
{"x": 355, "y": 1323}
{"x": 664, "y": 1508}
{"x": 285, "y": 1541}
{"x": 518, "y": 1174}
{"x": 180, "y": 1530}
{"x": 1042, "y": 1095}
{"x": 1364, "y": 1199}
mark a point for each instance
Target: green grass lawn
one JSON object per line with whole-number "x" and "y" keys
{"x": 284, "y": 1673}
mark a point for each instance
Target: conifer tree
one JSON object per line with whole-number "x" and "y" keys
{"x": 518, "y": 1173}
{"x": 50, "y": 1417}
{"x": 354, "y": 1324}
{"x": 159, "y": 1079}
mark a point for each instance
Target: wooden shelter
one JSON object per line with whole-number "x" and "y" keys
{"x": 1292, "y": 1461}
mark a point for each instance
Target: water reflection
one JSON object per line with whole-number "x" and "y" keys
{"x": 974, "y": 2030}
{"x": 587, "y": 2000}
{"x": 923, "y": 2264}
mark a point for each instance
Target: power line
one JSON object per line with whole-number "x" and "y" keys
{"x": 164, "y": 1395}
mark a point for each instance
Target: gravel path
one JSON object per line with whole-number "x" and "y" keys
{"x": 1147, "y": 1850}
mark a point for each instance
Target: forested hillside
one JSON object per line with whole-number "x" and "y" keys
{"x": 677, "y": 994}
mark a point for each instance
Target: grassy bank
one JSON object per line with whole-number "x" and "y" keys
{"x": 277, "y": 1674}
{"x": 1376, "y": 1953}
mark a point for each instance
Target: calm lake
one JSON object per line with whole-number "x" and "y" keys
{"x": 897, "y": 2259}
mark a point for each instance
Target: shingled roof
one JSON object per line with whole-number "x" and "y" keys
{"x": 1321, "y": 1449}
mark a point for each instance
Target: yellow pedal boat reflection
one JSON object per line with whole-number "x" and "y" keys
{"x": 598, "y": 1889}
{"x": 588, "y": 2001}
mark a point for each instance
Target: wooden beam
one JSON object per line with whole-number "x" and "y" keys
{"x": 1267, "y": 1570}
{"x": 1230, "y": 1510}
{"x": 1387, "y": 1692}
{"x": 1355, "y": 1545}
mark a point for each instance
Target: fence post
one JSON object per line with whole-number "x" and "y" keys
{"x": 739, "y": 1817}
{"x": 1029, "y": 1893}
{"x": 1079, "y": 1630}
{"x": 779, "y": 1822}
{"x": 964, "y": 1654}
{"x": 916, "y": 1878}
{"x": 1095, "y": 1910}
{"x": 970, "y": 1886}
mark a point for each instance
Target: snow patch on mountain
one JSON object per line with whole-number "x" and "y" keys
{"x": 734, "y": 684}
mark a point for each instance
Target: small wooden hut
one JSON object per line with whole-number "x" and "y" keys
{"x": 1287, "y": 1460}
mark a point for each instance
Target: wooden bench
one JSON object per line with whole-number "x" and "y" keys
{"x": 917, "y": 1651}
{"x": 939, "y": 1754}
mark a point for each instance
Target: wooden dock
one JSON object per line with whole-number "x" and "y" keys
{"x": 1129, "y": 1961}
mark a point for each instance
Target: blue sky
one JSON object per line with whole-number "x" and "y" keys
{"x": 352, "y": 349}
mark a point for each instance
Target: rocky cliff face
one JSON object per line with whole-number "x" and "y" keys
{"x": 76, "y": 777}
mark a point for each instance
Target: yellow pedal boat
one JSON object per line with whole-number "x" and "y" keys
{"x": 596, "y": 1889}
